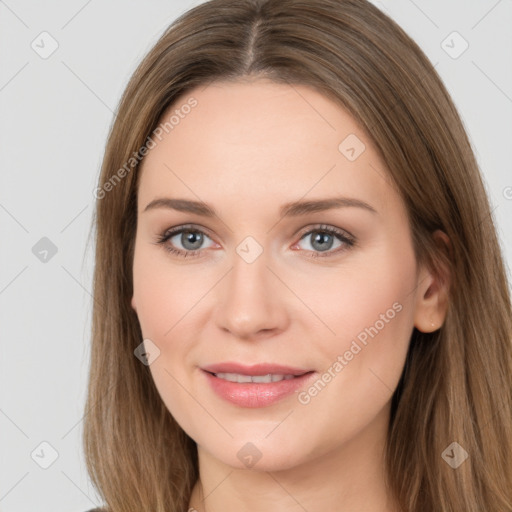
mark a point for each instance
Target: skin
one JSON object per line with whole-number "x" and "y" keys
{"x": 247, "y": 148}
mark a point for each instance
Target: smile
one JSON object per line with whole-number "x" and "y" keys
{"x": 264, "y": 379}
{"x": 253, "y": 391}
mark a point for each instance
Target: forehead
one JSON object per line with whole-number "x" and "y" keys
{"x": 260, "y": 142}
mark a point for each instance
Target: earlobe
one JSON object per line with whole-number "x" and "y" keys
{"x": 433, "y": 291}
{"x": 134, "y": 307}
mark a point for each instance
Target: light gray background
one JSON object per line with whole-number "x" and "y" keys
{"x": 55, "y": 114}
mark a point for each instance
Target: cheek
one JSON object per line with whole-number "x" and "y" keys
{"x": 369, "y": 308}
{"x": 373, "y": 307}
{"x": 166, "y": 296}
{"x": 377, "y": 324}
{"x": 164, "y": 293}
{"x": 371, "y": 311}
{"x": 364, "y": 298}
{"x": 163, "y": 297}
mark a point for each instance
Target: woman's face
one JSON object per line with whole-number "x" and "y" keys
{"x": 267, "y": 285}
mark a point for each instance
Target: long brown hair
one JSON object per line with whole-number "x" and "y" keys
{"x": 456, "y": 384}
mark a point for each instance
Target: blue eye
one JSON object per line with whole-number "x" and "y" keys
{"x": 191, "y": 240}
{"x": 324, "y": 237}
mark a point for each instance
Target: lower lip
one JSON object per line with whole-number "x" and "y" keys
{"x": 256, "y": 394}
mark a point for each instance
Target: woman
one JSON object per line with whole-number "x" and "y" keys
{"x": 300, "y": 298}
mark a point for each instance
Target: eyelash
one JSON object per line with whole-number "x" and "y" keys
{"x": 348, "y": 240}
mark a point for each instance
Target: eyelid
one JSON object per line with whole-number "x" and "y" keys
{"x": 169, "y": 233}
{"x": 328, "y": 228}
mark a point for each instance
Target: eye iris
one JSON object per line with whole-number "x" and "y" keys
{"x": 321, "y": 238}
{"x": 193, "y": 237}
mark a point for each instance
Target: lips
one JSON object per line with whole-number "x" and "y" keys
{"x": 256, "y": 385}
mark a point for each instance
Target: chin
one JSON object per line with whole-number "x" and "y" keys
{"x": 258, "y": 455}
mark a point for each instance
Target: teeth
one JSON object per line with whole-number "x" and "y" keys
{"x": 262, "y": 379}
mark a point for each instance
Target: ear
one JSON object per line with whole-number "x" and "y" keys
{"x": 134, "y": 306}
{"x": 432, "y": 294}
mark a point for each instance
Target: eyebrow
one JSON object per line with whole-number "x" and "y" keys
{"x": 293, "y": 209}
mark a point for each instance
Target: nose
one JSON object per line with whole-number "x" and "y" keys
{"x": 251, "y": 300}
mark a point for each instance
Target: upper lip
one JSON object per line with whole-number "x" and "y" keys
{"x": 255, "y": 369}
